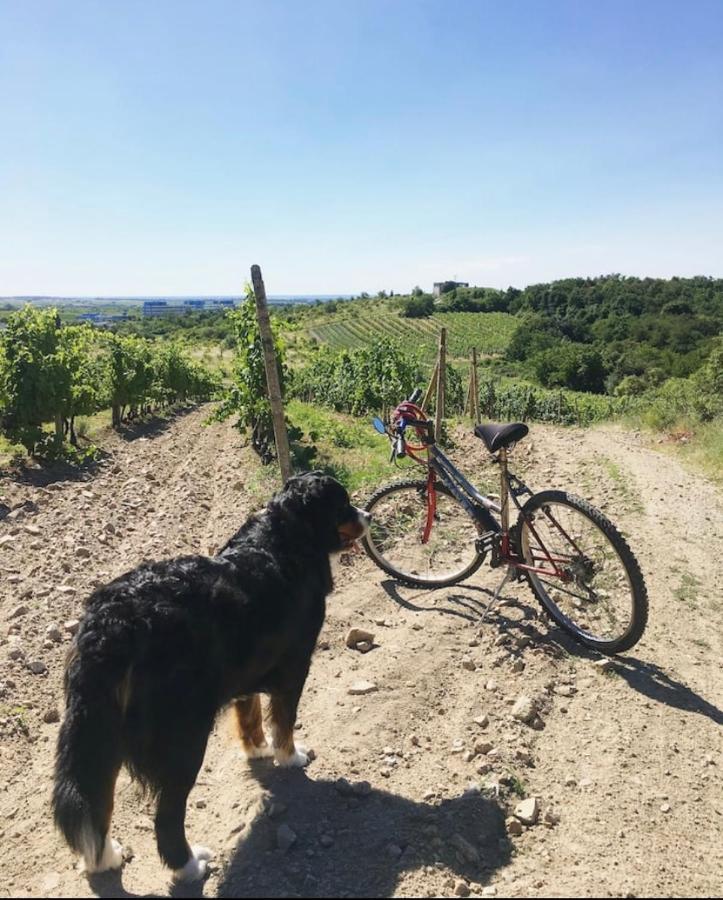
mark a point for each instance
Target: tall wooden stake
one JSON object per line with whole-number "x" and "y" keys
{"x": 474, "y": 387}
{"x": 272, "y": 374}
{"x": 441, "y": 384}
{"x": 432, "y": 387}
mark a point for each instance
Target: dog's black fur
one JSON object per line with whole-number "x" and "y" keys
{"x": 163, "y": 648}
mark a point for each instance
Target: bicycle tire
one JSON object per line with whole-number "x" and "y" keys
{"x": 638, "y": 590}
{"x": 410, "y": 578}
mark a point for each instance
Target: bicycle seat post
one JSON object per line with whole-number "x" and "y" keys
{"x": 504, "y": 493}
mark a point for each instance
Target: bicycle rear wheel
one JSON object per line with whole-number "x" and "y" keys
{"x": 394, "y": 540}
{"x": 601, "y": 599}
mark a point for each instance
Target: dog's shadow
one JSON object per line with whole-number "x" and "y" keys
{"x": 348, "y": 842}
{"x": 355, "y": 845}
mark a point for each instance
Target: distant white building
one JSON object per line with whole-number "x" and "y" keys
{"x": 161, "y": 308}
{"x": 443, "y": 287}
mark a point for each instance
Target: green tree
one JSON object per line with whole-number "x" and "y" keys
{"x": 571, "y": 365}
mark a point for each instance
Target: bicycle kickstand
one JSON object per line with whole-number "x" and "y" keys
{"x": 496, "y": 596}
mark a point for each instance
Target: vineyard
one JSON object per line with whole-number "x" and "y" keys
{"x": 51, "y": 373}
{"x": 490, "y": 333}
{"x": 506, "y": 400}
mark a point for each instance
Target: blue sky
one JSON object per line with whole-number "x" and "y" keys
{"x": 162, "y": 147}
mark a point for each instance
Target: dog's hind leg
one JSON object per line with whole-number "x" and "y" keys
{"x": 183, "y": 761}
{"x": 188, "y": 863}
{"x": 250, "y": 727}
{"x": 100, "y": 851}
{"x": 88, "y": 760}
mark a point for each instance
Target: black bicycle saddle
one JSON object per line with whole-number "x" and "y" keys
{"x": 498, "y": 436}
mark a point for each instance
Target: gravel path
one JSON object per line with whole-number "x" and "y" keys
{"x": 414, "y": 780}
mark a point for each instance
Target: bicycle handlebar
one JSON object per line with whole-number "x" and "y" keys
{"x": 408, "y": 413}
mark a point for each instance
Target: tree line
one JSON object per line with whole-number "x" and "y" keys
{"x": 613, "y": 335}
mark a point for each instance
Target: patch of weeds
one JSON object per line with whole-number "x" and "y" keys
{"x": 687, "y": 591}
{"x": 19, "y": 713}
{"x": 262, "y": 483}
{"x": 517, "y": 786}
{"x": 624, "y": 485}
{"x": 585, "y": 478}
{"x": 703, "y": 644}
{"x": 15, "y": 717}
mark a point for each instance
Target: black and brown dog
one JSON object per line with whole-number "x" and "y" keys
{"x": 161, "y": 650}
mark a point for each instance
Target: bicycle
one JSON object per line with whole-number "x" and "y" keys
{"x": 437, "y": 531}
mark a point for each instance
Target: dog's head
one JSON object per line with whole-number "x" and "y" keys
{"x": 319, "y": 504}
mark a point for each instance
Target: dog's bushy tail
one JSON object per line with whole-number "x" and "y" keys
{"x": 90, "y": 744}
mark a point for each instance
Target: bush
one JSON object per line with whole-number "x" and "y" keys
{"x": 372, "y": 378}
{"x": 524, "y": 402}
{"x": 418, "y": 306}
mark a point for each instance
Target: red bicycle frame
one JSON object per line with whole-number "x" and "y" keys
{"x": 428, "y": 454}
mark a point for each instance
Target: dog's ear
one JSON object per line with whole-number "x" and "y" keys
{"x": 311, "y": 493}
{"x": 312, "y": 506}
{"x": 298, "y": 484}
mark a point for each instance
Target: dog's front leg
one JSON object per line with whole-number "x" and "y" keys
{"x": 282, "y": 716}
{"x": 250, "y": 727}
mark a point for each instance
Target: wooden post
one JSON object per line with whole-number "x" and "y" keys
{"x": 474, "y": 385}
{"x": 432, "y": 387}
{"x": 272, "y": 375}
{"x": 441, "y": 384}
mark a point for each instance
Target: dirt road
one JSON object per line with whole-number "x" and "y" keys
{"x": 412, "y": 782}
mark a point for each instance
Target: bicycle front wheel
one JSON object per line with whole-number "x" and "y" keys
{"x": 394, "y": 540}
{"x": 600, "y": 596}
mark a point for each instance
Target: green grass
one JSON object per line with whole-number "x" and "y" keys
{"x": 704, "y": 451}
{"x": 349, "y": 448}
{"x": 699, "y": 445}
{"x": 9, "y": 451}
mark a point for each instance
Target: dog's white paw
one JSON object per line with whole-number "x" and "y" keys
{"x": 296, "y": 760}
{"x": 195, "y": 868}
{"x": 111, "y": 858}
{"x": 263, "y": 752}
